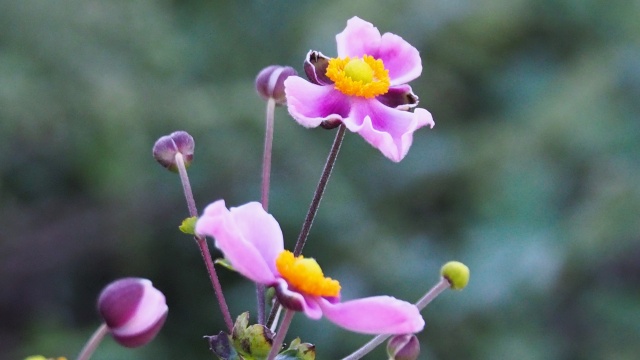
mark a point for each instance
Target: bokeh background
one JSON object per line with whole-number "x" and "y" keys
{"x": 531, "y": 175}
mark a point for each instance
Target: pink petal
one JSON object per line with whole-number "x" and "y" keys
{"x": 399, "y": 97}
{"x": 249, "y": 237}
{"x": 311, "y": 104}
{"x": 374, "y": 315}
{"x": 297, "y": 301}
{"x": 400, "y": 58}
{"x": 387, "y": 129}
{"x": 358, "y": 38}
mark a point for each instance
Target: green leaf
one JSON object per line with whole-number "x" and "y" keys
{"x": 225, "y": 264}
{"x": 188, "y": 225}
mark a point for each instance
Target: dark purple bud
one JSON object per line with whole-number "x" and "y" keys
{"x": 315, "y": 66}
{"x": 166, "y": 148}
{"x": 133, "y": 310}
{"x": 403, "y": 347}
{"x": 270, "y": 82}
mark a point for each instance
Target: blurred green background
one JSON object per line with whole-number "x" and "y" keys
{"x": 531, "y": 175}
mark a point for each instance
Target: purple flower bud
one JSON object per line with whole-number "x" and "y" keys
{"x": 133, "y": 310}
{"x": 166, "y": 148}
{"x": 270, "y": 82}
{"x": 403, "y": 347}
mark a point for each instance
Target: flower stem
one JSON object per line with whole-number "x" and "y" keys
{"x": 441, "y": 286}
{"x": 317, "y": 196}
{"x": 186, "y": 185}
{"x": 266, "y": 158}
{"x": 264, "y": 197}
{"x": 202, "y": 244}
{"x": 93, "y": 342}
{"x": 282, "y": 332}
{"x": 436, "y": 290}
{"x": 313, "y": 208}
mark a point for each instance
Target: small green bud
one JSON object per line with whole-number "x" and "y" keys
{"x": 188, "y": 225}
{"x": 456, "y": 273}
{"x": 403, "y": 347}
{"x": 166, "y": 148}
{"x": 251, "y": 341}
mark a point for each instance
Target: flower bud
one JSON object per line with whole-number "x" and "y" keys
{"x": 403, "y": 347}
{"x": 133, "y": 310}
{"x": 270, "y": 82}
{"x": 456, "y": 273}
{"x": 166, "y": 148}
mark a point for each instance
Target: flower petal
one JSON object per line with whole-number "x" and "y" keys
{"x": 315, "y": 66}
{"x": 296, "y": 301}
{"x": 399, "y": 97}
{"x": 387, "y": 129}
{"x": 249, "y": 237}
{"x": 358, "y": 38}
{"x": 400, "y": 58}
{"x": 311, "y": 104}
{"x": 374, "y": 315}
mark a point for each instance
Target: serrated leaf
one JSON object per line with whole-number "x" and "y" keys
{"x": 188, "y": 225}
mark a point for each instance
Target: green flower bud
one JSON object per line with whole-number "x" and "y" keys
{"x": 456, "y": 273}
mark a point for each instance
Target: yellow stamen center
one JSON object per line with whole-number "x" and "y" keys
{"x": 306, "y": 275}
{"x": 364, "y": 77}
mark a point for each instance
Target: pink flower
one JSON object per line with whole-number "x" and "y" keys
{"x": 252, "y": 242}
{"x": 364, "y": 88}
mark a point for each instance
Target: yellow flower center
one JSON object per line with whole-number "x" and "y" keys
{"x": 364, "y": 77}
{"x": 306, "y": 275}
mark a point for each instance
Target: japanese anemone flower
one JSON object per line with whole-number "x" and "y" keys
{"x": 363, "y": 88}
{"x": 252, "y": 242}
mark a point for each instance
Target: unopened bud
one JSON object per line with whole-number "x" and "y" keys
{"x": 166, "y": 148}
{"x": 133, "y": 310}
{"x": 270, "y": 82}
{"x": 403, "y": 347}
{"x": 456, "y": 273}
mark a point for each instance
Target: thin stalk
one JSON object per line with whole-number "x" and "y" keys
{"x": 202, "y": 244}
{"x": 93, "y": 342}
{"x": 441, "y": 286}
{"x": 280, "y": 335}
{"x": 264, "y": 197}
{"x": 186, "y": 185}
{"x": 313, "y": 207}
{"x": 317, "y": 196}
{"x": 266, "y": 157}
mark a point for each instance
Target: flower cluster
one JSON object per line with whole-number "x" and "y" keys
{"x": 364, "y": 90}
